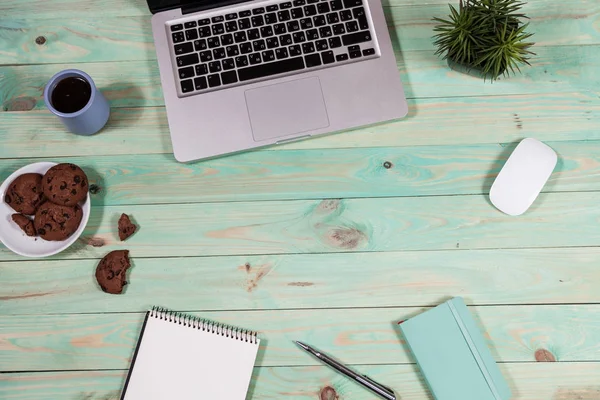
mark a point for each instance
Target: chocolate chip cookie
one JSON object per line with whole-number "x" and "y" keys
{"x": 24, "y": 223}
{"x": 111, "y": 271}
{"x": 25, "y": 193}
{"x": 54, "y": 222}
{"x": 126, "y": 227}
{"x": 65, "y": 184}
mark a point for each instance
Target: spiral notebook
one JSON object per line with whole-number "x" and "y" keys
{"x": 183, "y": 357}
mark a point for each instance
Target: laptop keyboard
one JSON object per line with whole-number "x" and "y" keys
{"x": 248, "y": 45}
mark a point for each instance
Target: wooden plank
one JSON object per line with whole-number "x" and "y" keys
{"x": 531, "y": 276}
{"x": 365, "y": 336}
{"x": 328, "y": 226}
{"x": 306, "y": 174}
{"x": 528, "y": 381}
{"x": 461, "y": 120}
{"x": 129, "y": 38}
{"x": 555, "y": 69}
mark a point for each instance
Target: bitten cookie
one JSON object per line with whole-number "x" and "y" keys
{"x": 54, "y": 222}
{"x": 126, "y": 227}
{"x": 111, "y": 271}
{"x": 65, "y": 184}
{"x": 24, "y": 223}
{"x": 25, "y": 193}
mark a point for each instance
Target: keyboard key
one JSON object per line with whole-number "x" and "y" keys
{"x": 299, "y": 37}
{"x": 335, "y": 42}
{"x": 295, "y": 50}
{"x": 231, "y": 26}
{"x": 298, "y": 3}
{"x": 358, "y": 12}
{"x": 328, "y": 57}
{"x": 176, "y": 27}
{"x": 312, "y": 34}
{"x": 321, "y": 45}
{"x": 281, "y": 53}
{"x": 259, "y": 10}
{"x": 368, "y": 52}
{"x": 232, "y": 51}
{"x": 178, "y": 37}
{"x": 218, "y": 18}
{"x": 245, "y": 13}
{"x": 183, "y": 48}
{"x": 231, "y": 16}
{"x": 206, "y": 56}
{"x": 229, "y": 77}
{"x": 214, "y": 66}
{"x": 352, "y": 3}
{"x": 312, "y": 60}
{"x": 319, "y": 20}
{"x": 257, "y": 21}
{"x": 353, "y": 48}
{"x": 244, "y": 23}
{"x": 308, "y": 48}
{"x": 279, "y": 29}
{"x": 285, "y": 40}
{"x": 253, "y": 34}
{"x": 270, "y": 18}
{"x": 218, "y": 53}
{"x": 306, "y": 23}
{"x": 201, "y": 69}
{"x": 204, "y": 21}
{"x": 336, "y": 5}
{"x": 312, "y": 1}
{"x": 241, "y": 61}
{"x": 352, "y": 26}
{"x": 293, "y": 26}
{"x": 268, "y": 55}
{"x": 345, "y": 15}
{"x": 187, "y": 86}
{"x": 266, "y": 31}
{"x": 286, "y": 5}
{"x": 333, "y": 18}
{"x": 325, "y": 31}
{"x": 355, "y": 54}
{"x": 254, "y": 58}
{"x": 323, "y": 8}
{"x": 272, "y": 7}
{"x": 297, "y": 13}
{"x": 214, "y": 80}
{"x": 363, "y": 23}
{"x": 277, "y": 67}
{"x": 213, "y": 42}
{"x": 341, "y": 57}
{"x": 226, "y": 39}
{"x": 272, "y": 42}
{"x": 200, "y": 83}
{"x": 204, "y": 31}
{"x": 245, "y": 48}
{"x": 339, "y": 29}
{"x": 186, "y": 72}
{"x": 259, "y": 45}
{"x": 190, "y": 59}
{"x": 355, "y": 38}
{"x": 283, "y": 15}
{"x": 190, "y": 24}
{"x": 218, "y": 29}
{"x": 310, "y": 10}
{"x": 239, "y": 37}
{"x": 200, "y": 44}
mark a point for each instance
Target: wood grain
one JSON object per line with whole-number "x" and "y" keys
{"x": 548, "y": 381}
{"x": 362, "y": 336}
{"x": 392, "y": 279}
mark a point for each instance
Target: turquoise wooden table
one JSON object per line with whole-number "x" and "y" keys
{"x": 329, "y": 241}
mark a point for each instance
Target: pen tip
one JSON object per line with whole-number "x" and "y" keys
{"x": 301, "y": 345}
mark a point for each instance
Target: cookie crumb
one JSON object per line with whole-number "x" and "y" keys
{"x": 126, "y": 227}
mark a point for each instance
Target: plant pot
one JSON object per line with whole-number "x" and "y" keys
{"x": 470, "y": 70}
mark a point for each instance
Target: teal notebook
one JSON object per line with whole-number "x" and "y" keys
{"x": 452, "y": 354}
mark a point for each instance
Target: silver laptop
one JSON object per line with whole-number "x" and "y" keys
{"x": 240, "y": 75}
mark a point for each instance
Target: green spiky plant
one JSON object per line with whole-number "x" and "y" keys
{"x": 486, "y": 35}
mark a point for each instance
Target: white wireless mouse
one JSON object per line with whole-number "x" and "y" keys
{"x": 523, "y": 177}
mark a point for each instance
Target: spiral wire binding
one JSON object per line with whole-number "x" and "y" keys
{"x": 204, "y": 325}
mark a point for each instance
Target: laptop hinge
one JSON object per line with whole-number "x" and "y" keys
{"x": 207, "y": 5}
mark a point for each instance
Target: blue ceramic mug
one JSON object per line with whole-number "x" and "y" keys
{"x": 72, "y": 96}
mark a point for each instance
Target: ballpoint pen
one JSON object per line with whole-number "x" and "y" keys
{"x": 364, "y": 380}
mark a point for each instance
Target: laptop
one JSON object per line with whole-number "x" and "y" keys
{"x": 238, "y": 75}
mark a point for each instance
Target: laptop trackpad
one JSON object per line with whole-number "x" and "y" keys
{"x": 286, "y": 108}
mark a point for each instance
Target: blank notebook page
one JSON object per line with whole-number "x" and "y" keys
{"x": 181, "y": 357}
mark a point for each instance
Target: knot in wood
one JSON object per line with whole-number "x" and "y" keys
{"x": 387, "y": 165}
{"x": 40, "y": 40}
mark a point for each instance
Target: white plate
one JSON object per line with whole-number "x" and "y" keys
{"x": 15, "y": 239}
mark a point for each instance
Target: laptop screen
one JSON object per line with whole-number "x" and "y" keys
{"x": 162, "y": 5}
